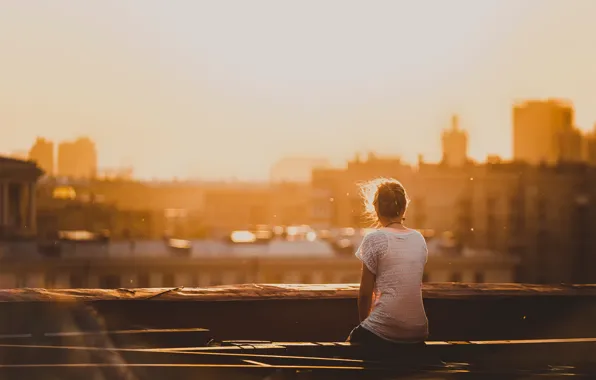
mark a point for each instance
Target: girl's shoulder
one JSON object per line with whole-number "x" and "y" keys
{"x": 375, "y": 237}
{"x": 406, "y": 232}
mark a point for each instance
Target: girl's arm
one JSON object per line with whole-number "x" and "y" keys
{"x": 365, "y": 294}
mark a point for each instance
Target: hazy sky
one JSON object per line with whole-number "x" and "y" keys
{"x": 224, "y": 88}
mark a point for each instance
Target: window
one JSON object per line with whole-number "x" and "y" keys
{"x": 215, "y": 279}
{"x": 143, "y": 281}
{"x": 76, "y": 281}
{"x": 491, "y": 221}
{"x": 419, "y": 208}
{"x": 465, "y": 216}
{"x": 357, "y": 211}
{"x": 306, "y": 279}
{"x": 543, "y": 243}
{"x": 50, "y": 280}
{"x": 21, "y": 281}
{"x": 168, "y": 280}
{"x": 541, "y": 210}
{"x": 491, "y": 231}
{"x": 110, "y": 281}
{"x": 517, "y": 214}
{"x": 455, "y": 277}
{"x": 517, "y": 250}
{"x": 491, "y": 205}
{"x": 241, "y": 278}
{"x": 327, "y": 278}
{"x": 350, "y": 279}
{"x": 479, "y": 277}
{"x": 465, "y": 205}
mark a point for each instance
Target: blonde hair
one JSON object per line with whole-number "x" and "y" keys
{"x": 384, "y": 197}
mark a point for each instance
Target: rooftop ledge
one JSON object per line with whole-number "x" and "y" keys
{"x": 288, "y": 291}
{"x": 314, "y": 313}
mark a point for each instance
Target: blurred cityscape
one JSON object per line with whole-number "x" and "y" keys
{"x": 67, "y": 223}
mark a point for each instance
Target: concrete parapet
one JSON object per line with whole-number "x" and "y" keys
{"x": 310, "y": 312}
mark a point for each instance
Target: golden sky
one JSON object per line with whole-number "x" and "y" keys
{"x": 224, "y": 88}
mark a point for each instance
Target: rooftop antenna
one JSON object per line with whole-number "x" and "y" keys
{"x": 455, "y": 122}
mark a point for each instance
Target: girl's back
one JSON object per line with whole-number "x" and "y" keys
{"x": 397, "y": 258}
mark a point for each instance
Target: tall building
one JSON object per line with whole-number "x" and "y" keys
{"x": 42, "y": 152}
{"x": 543, "y": 132}
{"x": 571, "y": 144}
{"x": 590, "y": 147}
{"x": 455, "y": 144}
{"x": 77, "y": 159}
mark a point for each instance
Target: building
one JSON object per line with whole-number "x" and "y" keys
{"x": 77, "y": 159}
{"x": 544, "y": 132}
{"x": 589, "y": 148}
{"x": 336, "y": 200}
{"x": 455, "y": 144}
{"x": 295, "y": 169}
{"x": 324, "y": 185}
{"x": 68, "y": 209}
{"x": 541, "y": 214}
{"x": 42, "y": 152}
{"x": 150, "y": 264}
{"x": 571, "y": 146}
{"x": 141, "y": 196}
{"x": 231, "y": 207}
{"x": 17, "y": 198}
{"x": 290, "y": 203}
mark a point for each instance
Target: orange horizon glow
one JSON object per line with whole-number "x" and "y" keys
{"x": 222, "y": 90}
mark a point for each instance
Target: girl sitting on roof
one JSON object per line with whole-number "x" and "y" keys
{"x": 393, "y": 258}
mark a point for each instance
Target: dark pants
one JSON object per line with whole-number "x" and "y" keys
{"x": 373, "y": 346}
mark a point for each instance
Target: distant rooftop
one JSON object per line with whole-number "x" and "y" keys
{"x": 554, "y": 101}
{"x": 159, "y": 248}
{"x": 14, "y": 167}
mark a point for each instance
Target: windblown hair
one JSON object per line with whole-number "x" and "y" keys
{"x": 384, "y": 197}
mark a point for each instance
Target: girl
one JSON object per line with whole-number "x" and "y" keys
{"x": 393, "y": 259}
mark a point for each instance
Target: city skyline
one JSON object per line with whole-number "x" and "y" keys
{"x": 548, "y": 118}
{"x": 170, "y": 99}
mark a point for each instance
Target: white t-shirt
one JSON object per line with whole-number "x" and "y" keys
{"x": 397, "y": 259}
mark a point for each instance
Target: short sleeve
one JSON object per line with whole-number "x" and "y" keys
{"x": 372, "y": 247}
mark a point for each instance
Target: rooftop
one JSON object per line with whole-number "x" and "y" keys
{"x": 15, "y": 168}
{"x": 161, "y": 248}
{"x": 211, "y": 248}
{"x": 288, "y": 331}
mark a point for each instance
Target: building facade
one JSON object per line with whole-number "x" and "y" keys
{"x": 42, "y": 153}
{"x": 544, "y": 132}
{"x": 18, "y": 198}
{"x": 229, "y": 208}
{"x": 101, "y": 268}
{"x": 541, "y": 214}
{"x": 455, "y": 144}
{"x": 77, "y": 159}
